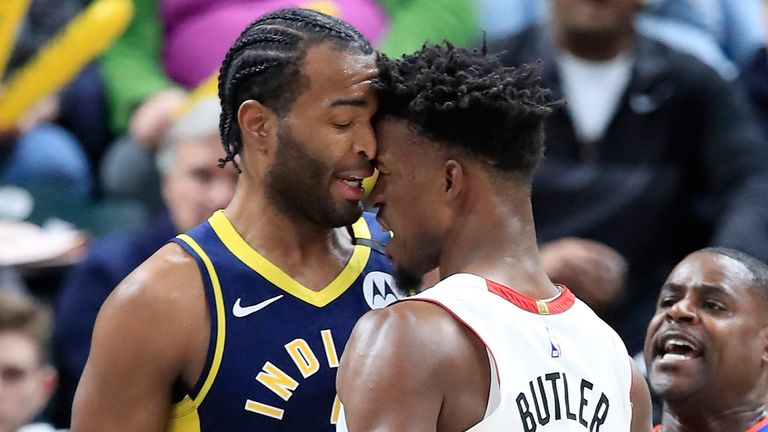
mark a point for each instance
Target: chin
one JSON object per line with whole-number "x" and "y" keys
{"x": 341, "y": 215}
{"x": 674, "y": 387}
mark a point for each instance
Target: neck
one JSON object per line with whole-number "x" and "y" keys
{"x": 497, "y": 240}
{"x": 696, "y": 419}
{"x": 595, "y": 47}
{"x": 282, "y": 238}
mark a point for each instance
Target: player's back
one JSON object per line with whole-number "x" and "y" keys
{"x": 555, "y": 365}
{"x": 275, "y": 344}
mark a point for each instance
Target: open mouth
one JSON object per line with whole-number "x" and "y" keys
{"x": 351, "y": 188}
{"x": 677, "y": 347}
{"x": 352, "y": 182}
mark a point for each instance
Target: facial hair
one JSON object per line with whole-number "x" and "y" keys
{"x": 298, "y": 184}
{"x": 407, "y": 283}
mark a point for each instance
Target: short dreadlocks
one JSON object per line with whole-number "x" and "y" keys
{"x": 467, "y": 99}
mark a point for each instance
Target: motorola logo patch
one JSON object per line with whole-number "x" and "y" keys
{"x": 378, "y": 289}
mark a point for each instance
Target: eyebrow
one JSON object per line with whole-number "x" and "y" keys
{"x": 356, "y": 102}
{"x": 705, "y": 288}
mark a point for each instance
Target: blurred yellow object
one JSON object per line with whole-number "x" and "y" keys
{"x": 208, "y": 88}
{"x": 87, "y": 36}
{"x": 327, "y": 7}
{"x": 12, "y": 13}
{"x": 370, "y": 182}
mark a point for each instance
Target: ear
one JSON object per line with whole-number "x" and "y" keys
{"x": 49, "y": 380}
{"x": 764, "y": 340}
{"x": 454, "y": 179}
{"x": 257, "y": 124}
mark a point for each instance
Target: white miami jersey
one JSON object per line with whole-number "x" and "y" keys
{"x": 555, "y": 366}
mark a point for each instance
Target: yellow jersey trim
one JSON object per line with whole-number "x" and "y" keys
{"x": 184, "y": 417}
{"x": 218, "y": 351}
{"x": 258, "y": 263}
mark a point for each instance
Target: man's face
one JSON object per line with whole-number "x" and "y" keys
{"x": 595, "y": 17}
{"x": 196, "y": 187}
{"x": 25, "y": 385}
{"x": 407, "y": 197}
{"x": 708, "y": 336}
{"x": 326, "y": 141}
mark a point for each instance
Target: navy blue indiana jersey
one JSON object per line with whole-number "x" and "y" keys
{"x": 275, "y": 344}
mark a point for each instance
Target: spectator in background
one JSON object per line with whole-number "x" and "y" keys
{"x": 722, "y": 33}
{"x": 655, "y": 155}
{"x": 193, "y": 188}
{"x": 173, "y": 45}
{"x": 707, "y": 345}
{"x": 26, "y": 378}
{"x": 754, "y": 76}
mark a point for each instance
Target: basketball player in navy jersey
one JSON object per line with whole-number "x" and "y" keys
{"x": 239, "y": 324}
{"x": 707, "y": 345}
{"x": 494, "y": 346}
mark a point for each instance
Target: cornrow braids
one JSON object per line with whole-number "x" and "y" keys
{"x": 265, "y": 64}
{"x": 468, "y": 100}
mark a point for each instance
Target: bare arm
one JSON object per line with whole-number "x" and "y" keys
{"x": 642, "y": 420}
{"x": 144, "y": 340}
{"x": 402, "y": 370}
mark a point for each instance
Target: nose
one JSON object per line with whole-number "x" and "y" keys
{"x": 365, "y": 143}
{"x": 683, "y": 311}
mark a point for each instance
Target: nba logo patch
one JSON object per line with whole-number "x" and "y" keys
{"x": 378, "y": 289}
{"x": 554, "y": 345}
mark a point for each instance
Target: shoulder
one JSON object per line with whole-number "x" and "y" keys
{"x": 410, "y": 331}
{"x": 168, "y": 273}
{"x": 163, "y": 295}
{"x": 684, "y": 67}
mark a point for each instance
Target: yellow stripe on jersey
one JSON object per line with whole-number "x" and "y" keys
{"x": 235, "y": 243}
{"x": 184, "y": 416}
{"x": 335, "y": 411}
{"x": 264, "y": 409}
{"x": 330, "y": 348}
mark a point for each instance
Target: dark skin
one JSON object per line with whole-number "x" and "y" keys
{"x": 596, "y": 30}
{"x": 707, "y": 347}
{"x": 464, "y": 220}
{"x": 128, "y": 379}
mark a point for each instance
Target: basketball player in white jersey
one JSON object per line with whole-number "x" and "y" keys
{"x": 494, "y": 346}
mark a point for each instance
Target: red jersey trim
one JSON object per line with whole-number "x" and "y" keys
{"x": 458, "y": 318}
{"x": 560, "y": 304}
{"x": 759, "y": 426}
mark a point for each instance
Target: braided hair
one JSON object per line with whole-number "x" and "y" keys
{"x": 470, "y": 102}
{"x": 265, "y": 64}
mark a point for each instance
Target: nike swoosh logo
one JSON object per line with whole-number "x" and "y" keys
{"x": 239, "y": 311}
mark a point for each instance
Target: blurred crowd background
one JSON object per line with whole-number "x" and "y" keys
{"x": 659, "y": 149}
